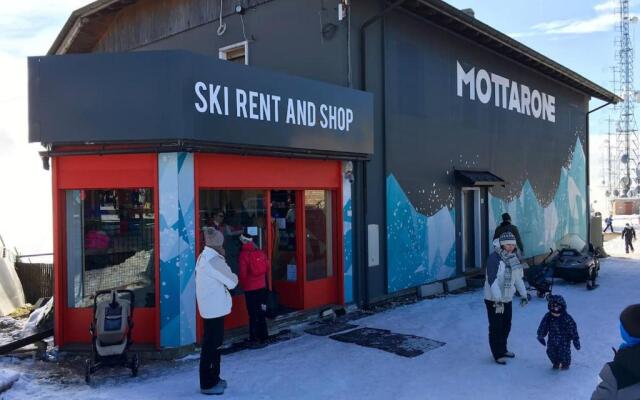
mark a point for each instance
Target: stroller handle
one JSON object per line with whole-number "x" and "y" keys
{"x": 132, "y": 298}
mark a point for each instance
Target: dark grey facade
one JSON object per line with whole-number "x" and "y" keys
{"x": 430, "y": 227}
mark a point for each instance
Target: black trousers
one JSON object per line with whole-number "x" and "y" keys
{"x": 499, "y": 328}
{"x": 628, "y": 244}
{"x": 255, "y": 300}
{"x": 210, "y": 353}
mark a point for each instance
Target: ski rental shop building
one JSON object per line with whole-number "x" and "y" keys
{"x": 371, "y": 147}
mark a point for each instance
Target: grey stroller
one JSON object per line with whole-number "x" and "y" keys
{"x": 111, "y": 332}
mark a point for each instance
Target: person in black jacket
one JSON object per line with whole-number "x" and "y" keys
{"x": 507, "y": 226}
{"x": 562, "y": 330}
{"x": 629, "y": 235}
{"x": 620, "y": 378}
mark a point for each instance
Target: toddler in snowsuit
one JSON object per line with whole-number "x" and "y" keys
{"x": 562, "y": 330}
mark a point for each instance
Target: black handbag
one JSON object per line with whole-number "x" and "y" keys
{"x": 271, "y": 302}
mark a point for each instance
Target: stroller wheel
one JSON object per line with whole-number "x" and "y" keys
{"x": 540, "y": 294}
{"x": 87, "y": 371}
{"x": 135, "y": 363}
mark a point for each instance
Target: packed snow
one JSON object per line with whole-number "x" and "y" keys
{"x": 313, "y": 367}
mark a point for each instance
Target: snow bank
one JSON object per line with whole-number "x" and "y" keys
{"x": 7, "y": 379}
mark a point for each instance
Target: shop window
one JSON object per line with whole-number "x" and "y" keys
{"x": 110, "y": 244}
{"x": 237, "y": 53}
{"x": 319, "y": 228}
{"x": 231, "y": 212}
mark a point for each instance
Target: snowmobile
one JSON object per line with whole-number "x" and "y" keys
{"x": 576, "y": 261}
{"x": 110, "y": 331}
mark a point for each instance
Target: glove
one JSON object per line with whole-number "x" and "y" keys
{"x": 524, "y": 301}
{"x": 576, "y": 344}
{"x": 499, "y": 306}
{"x": 542, "y": 341}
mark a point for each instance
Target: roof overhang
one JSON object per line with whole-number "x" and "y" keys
{"x": 477, "y": 178}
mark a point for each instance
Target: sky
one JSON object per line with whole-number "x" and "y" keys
{"x": 576, "y": 33}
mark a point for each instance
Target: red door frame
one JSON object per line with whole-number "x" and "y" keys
{"x": 100, "y": 172}
{"x": 234, "y": 172}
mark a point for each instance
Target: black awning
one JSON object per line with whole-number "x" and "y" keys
{"x": 477, "y": 178}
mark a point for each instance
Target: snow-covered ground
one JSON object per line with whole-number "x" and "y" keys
{"x": 311, "y": 367}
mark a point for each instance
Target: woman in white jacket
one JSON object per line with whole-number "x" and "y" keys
{"x": 503, "y": 279}
{"x": 214, "y": 279}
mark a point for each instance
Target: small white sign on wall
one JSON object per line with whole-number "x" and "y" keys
{"x": 373, "y": 247}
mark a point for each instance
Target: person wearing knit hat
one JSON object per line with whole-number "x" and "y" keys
{"x": 620, "y": 378}
{"x": 503, "y": 278}
{"x": 562, "y": 331}
{"x": 214, "y": 279}
{"x": 507, "y": 226}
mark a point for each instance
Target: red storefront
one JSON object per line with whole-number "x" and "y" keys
{"x": 131, "y": 195}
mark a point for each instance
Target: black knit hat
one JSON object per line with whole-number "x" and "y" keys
{"x": 630, "y": 320}
{"x": 506, "y": 217}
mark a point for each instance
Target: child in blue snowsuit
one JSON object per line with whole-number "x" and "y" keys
{"x": 562, "y": 330}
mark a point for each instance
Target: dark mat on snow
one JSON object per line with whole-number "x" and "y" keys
{"x": 382, "y": 339}
{"x": 320, "y": 328}
{"x": 282, "y": 336}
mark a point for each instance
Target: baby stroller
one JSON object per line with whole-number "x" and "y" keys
{"x": 111, "y": 332}
{"x": 540, "y": 277}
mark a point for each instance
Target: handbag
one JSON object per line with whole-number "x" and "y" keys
{"x": 271, "y": 302}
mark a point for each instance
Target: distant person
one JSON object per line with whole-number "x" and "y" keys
{"x": 629, "y": 236}
{"x": 620, "y": 378}
{"x": 609, "y": 222}
{"x": 507, "y": 226}
{"x": 214, "y": 279}
{"x": 253, "y": 276}
{"x": 562, "y": 331}
{"x": 500, "y": 284}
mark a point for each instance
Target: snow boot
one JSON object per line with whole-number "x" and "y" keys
{"x": 501, "y": 361}
{"x": 592, "y": 286}
{"x": 509, "y": 354}
{"x": 217, "y": 389}
{"x": 555, "y": 366}
{"x": 564, "y": 367}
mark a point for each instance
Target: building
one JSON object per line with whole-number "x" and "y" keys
{"x": 404, "y": 131}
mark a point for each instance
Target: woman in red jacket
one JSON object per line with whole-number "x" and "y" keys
{"x": 252, "y": 273}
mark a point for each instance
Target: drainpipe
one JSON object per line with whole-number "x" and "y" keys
{"x": 587, "y": 171}
{"x": 361, "y": 240}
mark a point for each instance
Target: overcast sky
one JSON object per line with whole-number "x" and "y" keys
{"x": 576, "y": 33}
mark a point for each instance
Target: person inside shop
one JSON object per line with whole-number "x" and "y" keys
{"x": 253, "y": 276}
{"x": 507, "y": 226}
{"x": 217, "y": 222}
{"x": 214, "y": 279}
{"x": 629, "y": 236}
{"x": 500, "y": 284}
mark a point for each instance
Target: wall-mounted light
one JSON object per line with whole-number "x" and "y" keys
{"x": 45, "y": 162}
{"x": 239, "y": 9}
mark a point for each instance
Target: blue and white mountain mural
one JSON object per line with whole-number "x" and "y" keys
{"x": 420, "y": 248}
{"x": 542, "y": 225}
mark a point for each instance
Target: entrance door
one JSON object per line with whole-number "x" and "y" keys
{"x": 471, "y": 229}
{"x": 303, "y": 248}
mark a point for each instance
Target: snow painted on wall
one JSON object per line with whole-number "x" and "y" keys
{"x": 347, "y": 239}
{"x": 541, "y": 226}
{"x": 177, "y": 250}
{"x": 420, "y": 248}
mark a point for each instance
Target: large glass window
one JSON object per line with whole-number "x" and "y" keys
{"x": 231, "y": 212}
{"x": 319, "y": 232}
{"x": 110, "y": 244}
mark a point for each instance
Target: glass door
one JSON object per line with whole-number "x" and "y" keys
{"x": 320, "y": 287}
{"x": 285, "y": 256}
